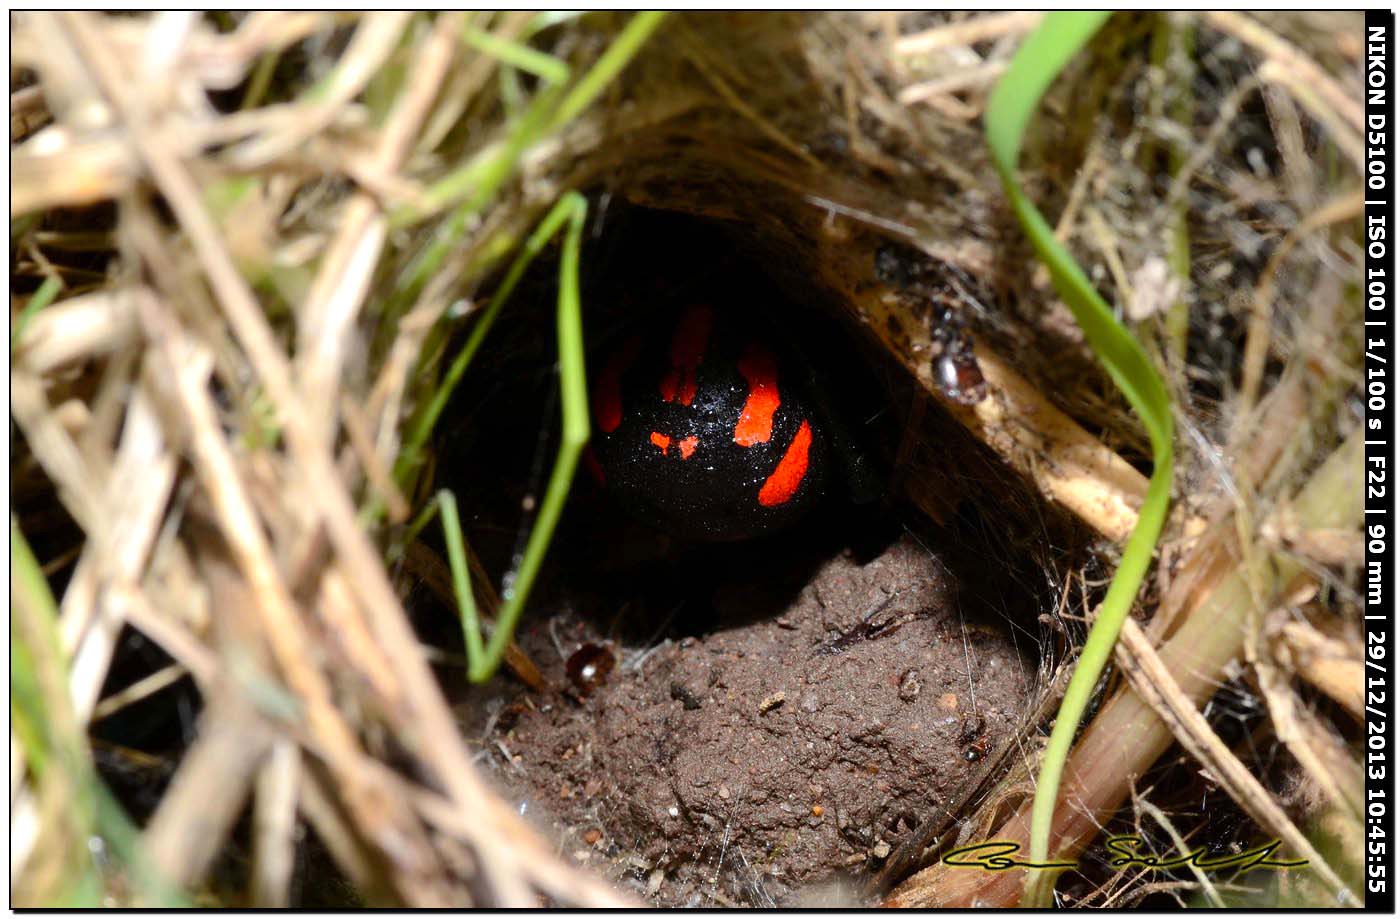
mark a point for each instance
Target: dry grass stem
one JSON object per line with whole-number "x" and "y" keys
{"x": 380, "y": 479}
{"x": 143, "y": 688}
{"x": 274, "y": 825}
{"x": 1334, "y": 666}
{"x": 1153, "y": 681}
{"x": 1099, "y": 769}
{"x": 1323, "y": 97}
{"x": 235, "y": 210}
{"x": 1023, "y": 427}
{"x": 980, "y": 28}
{"x": 206, "y": 796}
{"x": 974, "y": 78}
{"x": 340, "y": 288}
{"x": 79, "y": 328}
{"x": 1261, "y": 318}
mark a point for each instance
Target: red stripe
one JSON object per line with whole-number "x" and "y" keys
{"x": 687, "y": 351}
{"x": 607, "y": 394}
{"x": 755, "y": 424}
{"x": 784, "y": 481}
{"x": 590, "y": 462}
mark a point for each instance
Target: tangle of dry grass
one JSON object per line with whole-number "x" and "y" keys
{"x": 234, "y": 210}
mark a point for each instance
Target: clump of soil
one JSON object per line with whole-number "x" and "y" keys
{"x": 789, "y": 748}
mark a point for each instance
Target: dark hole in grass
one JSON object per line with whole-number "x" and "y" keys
{"x": 499, "y": 435}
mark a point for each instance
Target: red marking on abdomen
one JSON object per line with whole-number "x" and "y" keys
{"x": 661, "y": 440}
{"x": 688, "y": 446}
{"x": 687, "y": 351}
{"x": 607, "y": 394}
{"x": 755, "y": 424}
{"x": 590, "y": 462}
{"x": 783, "y": 483}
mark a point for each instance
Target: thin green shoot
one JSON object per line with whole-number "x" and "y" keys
{"x": 415, "y": 526}
{"x": 260, "y": 81}
{"x": 30, "y": 595}
{"x": 55, "y": 747}
{"x": 461, "y": 578}
{"x": 21, "y": 225}
{"x": 1177, "y": 39}
{"x": 472, "y": 186}
{"x": 522, "y": 57}
{"x": 512, "y": 91}
{"x": 477, "y": 181}
{"x": 483, "y": 657}
{"x": 420, "y": 428}
{"x": 619, "y": 54}
{"x": 1038, "y": 61}
{"x": 41, "y": 298}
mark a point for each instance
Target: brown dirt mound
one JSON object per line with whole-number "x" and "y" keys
{"x": 746, "y": 765}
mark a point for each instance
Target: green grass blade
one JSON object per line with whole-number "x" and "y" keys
{"x": 483, "y": 658}
{"x": 55, "y": 747}
{"x": 522, "y": 57}
{"x": 470, "y": 187}
{"x": 628, "y": 42}
{"x": 573, "y": 390}
{"x": 478, "y": 180}
{"x": 421, "y": 427}
{"x": 32, "y": 606}
{"x": 1036, "y": 64}
{"x": 41, "y": 298}
{"x": 1041, "y": 57}
{"x": 461, "y": 575}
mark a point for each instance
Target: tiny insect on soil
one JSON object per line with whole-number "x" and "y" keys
{"x": 976, "y": 743}
{"x": 589, "y": 666}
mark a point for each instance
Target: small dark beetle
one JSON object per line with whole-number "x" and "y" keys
{"x": 589, "y": 666}
{"x": 703, "y": 428}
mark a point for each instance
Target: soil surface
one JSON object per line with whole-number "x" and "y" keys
{"x": 776, "y": 759}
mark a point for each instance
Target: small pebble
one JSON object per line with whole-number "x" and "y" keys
{"x": 881, "y": 849}
{"x": 909, "y": 685}
{"x": 772, "y": 702}
{"x": 818, "y": 810}
{"x": 724, "y": 792}
{"x": 592, "y": 837}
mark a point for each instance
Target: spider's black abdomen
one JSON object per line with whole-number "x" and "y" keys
{"x": 701, "y": 430}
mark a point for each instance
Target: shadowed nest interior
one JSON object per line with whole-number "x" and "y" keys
{"x": 250, "y": 241}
